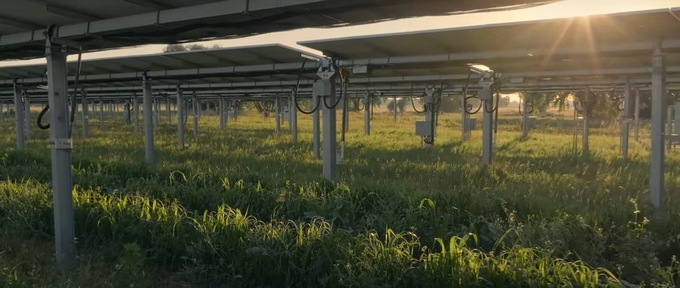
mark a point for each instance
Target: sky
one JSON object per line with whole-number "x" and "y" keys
{"x": 565, "y": 8}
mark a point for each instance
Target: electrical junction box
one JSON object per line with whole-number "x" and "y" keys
{"x": 322, "y": 88}
{"x": 424, "y": 128}
{"x": 531, "y": 122}
{"x": 427, "y": 100}
{"x": 364, "y": 101}
{"x": 485, "y": 94}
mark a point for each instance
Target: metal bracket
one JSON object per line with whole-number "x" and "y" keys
{"x": 61, "y": 144}
{"x": 326, "y": 70}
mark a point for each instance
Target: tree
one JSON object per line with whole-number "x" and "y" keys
{"x": 174, "y": 48}
{"x": 504, "y": 101}
{"x": 355, "y": 104}
{"x": 377, "y": 101}
{"x": 539, "y": 101}
{"x": 188, "y": 47}
{"x": 400, "y": 105}
{"x": 451, "y": 104}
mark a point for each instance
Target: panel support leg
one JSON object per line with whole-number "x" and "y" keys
{"x": 277, "y": 114}
{"x": 465, "y": 121}
{"x": 180, "y": 118}
{"x": 195, "y": 107}
{"x": 86, "y": 127}
{"x": 292, "y": 121}
{"x": 625, "y": 122}
{"x": 395, "y": 109}
{"x": 316, "y": 133}
{"x": 168, "y": 110}
{"x": 525, "y": 117}
{"x": 223, "y": 113}
{"x": 27, "y": 114}
{"x": 429, "y": 101}
{"x": 345, "y": 112}
{"x": 156, "y": 112}
{"x": 61, "y": 156}
{"x": 657, "y": 155}
{"x": 367, "y": 114}
{"x": 329, "y": 120}
{"x": 636, "y": 128}
{"x": 148, "y": 120}
{"x": 19, "y": 116}
{"x": 486, "y": 94}
{"x": 135, "y": 105}
{"x": 586, "y": 105}
{"x": 128, "y": 115}
{"x": 101, "y": 113}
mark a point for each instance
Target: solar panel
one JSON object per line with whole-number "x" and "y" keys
{"x": 269, "y": 55}
{"x": 106, "y": 24}
{"x": 538, "y": 38}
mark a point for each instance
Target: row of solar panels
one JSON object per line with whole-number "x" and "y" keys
{"x": 594, "y": 50}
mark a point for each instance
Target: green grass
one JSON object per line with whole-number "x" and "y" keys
{"x": 247, "y": 207}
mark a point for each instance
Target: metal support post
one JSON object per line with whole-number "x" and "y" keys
{"x": 465, "y": 120}
{"x": 292, "y": 115}
{"x": 86, "y": 127}
{"x": 135, "y": 105}
{"x": 19, "y": 115}
{"x": 167, "y": 110}
{"x": 180, "y": 118}
{"x": 625, "y": 121}
{"x": 525, "y": 117}
{"x": 156, "y": 112}
{"x": 367, "y": 114}
{"x": 669, "y": 126}
{"x": 277, "y": 112}
{"x": 325, "y": 91}
{"x": 395, "y": 109}
{"x": 64, "y": 234}
{"x": 428, "y": 102}
{"x": 486, "y": 95}
{"x": 195, "y": 104}
{"x": 345, "y": 111}
{"x": 316, "y": 133}
{"x": 148, "y": 119}
{"x": 126, "y": 108}
{"x": 223, "y": 113}
{"x": 657, "y": 155}
{"x": 27, "y": 114}
{"x": 637, "y": 115}
{"x": 586, "y": 103}
{"x": 101, "y": 113}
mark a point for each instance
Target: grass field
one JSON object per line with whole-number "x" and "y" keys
{"x": 246, "y": 207}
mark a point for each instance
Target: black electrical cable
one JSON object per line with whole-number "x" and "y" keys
{"x": 295, "y": 92}
{"x": 493, "y": 109}
{"x": 344, "y": 117}
{"x": 343, "y": 83}
{"x": 498, "y": 100}
{"x": 40, "y": 117}
{"x": 74, "y": 104}
{"x": 466, "y": 97}
{"x": 413, "y": 103}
